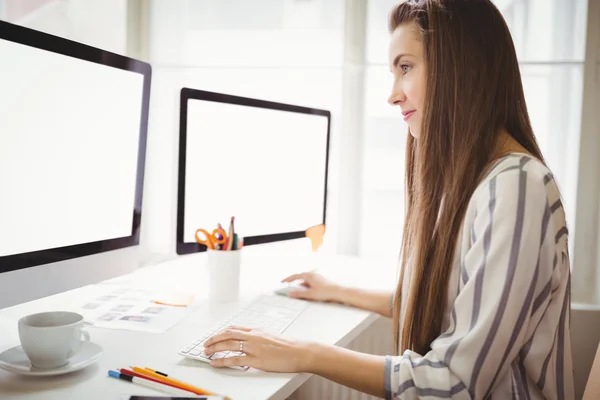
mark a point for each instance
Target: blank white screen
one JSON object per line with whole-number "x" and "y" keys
{"x": 69, "y": 136}
{"x": 265, "y": 167}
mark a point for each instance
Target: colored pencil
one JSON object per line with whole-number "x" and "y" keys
{"x": 157, "y": 372}
{"x": 231, "y": 234}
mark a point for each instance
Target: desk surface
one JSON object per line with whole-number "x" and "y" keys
{"x": 261, "y": 271}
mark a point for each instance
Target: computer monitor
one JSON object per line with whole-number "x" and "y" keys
{"x": 265, "y": 163}
{"x": 73, "y": 125}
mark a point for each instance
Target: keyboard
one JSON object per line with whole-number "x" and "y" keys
{"x": 270, "y": 313}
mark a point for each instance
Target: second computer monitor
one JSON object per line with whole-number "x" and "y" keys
{"x": 263, "y": 162}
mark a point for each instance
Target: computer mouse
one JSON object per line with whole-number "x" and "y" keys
{"x": 287, "y": 287}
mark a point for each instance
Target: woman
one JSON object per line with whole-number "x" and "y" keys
{"x": 482, "y": 304}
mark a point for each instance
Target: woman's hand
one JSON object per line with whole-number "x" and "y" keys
{"x": 262, "y": 350}
{"x": 318, "y": 288}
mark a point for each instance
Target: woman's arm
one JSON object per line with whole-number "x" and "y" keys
{"x": 363, "y": 372}
{"x": 272, "y": 353}
{"x": 370, "y": 300}
{"x": 319, "y": 288}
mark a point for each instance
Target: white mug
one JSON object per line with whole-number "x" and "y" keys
{"x": 50, "y": 339}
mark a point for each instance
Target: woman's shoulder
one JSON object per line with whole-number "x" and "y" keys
{"x": 519, "y": 187}
{"x": 521, "y": 175}
{"x": 516, "y": 169}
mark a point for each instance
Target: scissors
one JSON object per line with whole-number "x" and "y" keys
{"x": 218, "y": 236}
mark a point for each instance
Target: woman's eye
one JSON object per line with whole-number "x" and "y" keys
{"x": 405, "y": 68}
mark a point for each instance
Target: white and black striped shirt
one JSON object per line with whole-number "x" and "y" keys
{"x": 506, "y": 327}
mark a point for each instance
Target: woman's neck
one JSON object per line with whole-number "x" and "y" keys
{"x": 507, "y": 144}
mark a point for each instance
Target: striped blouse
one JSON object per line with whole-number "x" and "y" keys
{"x": 505, "y": 332}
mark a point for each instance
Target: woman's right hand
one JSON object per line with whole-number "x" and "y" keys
{"x": 318, "y": 288}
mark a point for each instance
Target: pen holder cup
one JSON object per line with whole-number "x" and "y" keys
{"x": 224, "y": 274}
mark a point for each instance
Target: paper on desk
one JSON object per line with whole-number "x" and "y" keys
{"x": 135, "y": 309}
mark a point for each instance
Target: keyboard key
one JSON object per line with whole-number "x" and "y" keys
{"x": 219, "y": 354}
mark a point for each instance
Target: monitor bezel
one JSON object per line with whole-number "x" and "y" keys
{"x": 188, "y": 94}
{"x": 44, "y": 41}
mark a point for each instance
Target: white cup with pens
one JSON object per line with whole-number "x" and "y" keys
{"x": 223, "y": 261}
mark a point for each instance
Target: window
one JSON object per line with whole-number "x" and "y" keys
{"x": 240, "y": 34}
{"x": 549, "y": 38}
{"x": 383, "y": 171}
{"x": 84, "y": 21}
{"x": 546, "y": 30}
{"x": 281, "y": 50}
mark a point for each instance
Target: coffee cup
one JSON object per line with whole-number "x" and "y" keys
{"x": 50, "y": 339}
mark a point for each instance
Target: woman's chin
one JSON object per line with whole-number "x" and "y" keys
{"x": 413, "y": 132}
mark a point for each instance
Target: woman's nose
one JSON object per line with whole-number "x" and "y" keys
{"x": 395, "y": 98}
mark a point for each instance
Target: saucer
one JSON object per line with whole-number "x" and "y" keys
{"x": 15, "y": 360}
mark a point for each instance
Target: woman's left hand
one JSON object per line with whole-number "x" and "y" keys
{"x": 262, "y": 350}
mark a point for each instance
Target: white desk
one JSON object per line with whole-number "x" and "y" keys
{"x": 326, "y": 323}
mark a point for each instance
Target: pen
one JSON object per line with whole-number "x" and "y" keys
{"x": 179, "y": 384}
{"x": 142, "y": 376}
{"x": 147, "y": 383}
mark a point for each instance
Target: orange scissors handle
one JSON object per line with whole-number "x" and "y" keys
{"x": 208, "y": 241}
{"x": 216, "y": 239}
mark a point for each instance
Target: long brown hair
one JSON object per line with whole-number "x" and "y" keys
{"x": 473, "y": 93}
